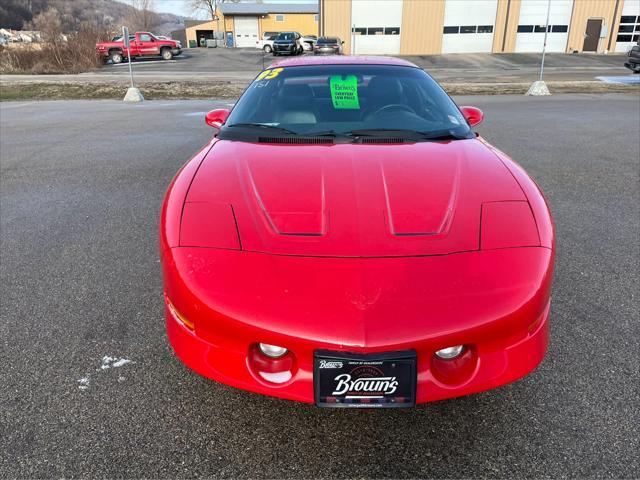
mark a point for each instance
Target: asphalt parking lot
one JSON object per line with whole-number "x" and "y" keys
{"x": 245, "y": 63}
{"x": 80, "y": 192}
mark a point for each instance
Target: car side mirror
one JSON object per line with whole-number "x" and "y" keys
{"x": 473, "y": 115}
{"x": 342, "y": 42}
{"x": 216, "y": 118}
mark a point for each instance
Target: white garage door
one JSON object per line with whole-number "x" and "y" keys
{"x": 376, "y": 27}
{"x": 246, "y": 31}
{"x": 469, "y": 26}
{"x": 629, "y": 30}
{"x": 531, "y": 26}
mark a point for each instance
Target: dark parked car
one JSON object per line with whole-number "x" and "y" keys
{"x": 328, "y": 46}
{"x": 633, "y": 63}
{"x": 287, "y": 43}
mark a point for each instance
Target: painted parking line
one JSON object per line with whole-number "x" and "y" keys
{"x": 629, "y": 80}
{"x": 147, "y": 62}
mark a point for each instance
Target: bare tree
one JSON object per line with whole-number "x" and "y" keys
{"x": 208, "y": 6}
{"x": 48, "y": 24}
{"x": 141, "y": 15}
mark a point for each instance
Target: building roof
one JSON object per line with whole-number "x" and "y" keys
{"x": 193, "y": 23}
{"x": 341, "y": 60}
{"x": 264, "y": 8}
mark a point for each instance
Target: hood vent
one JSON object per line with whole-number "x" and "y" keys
{"x": 369, "y": 140}
{"x": 296, "y": 140}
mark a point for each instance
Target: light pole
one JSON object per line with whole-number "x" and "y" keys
{"x": 127, "y": 44}
{"x": 546, "y": 32}
{"x": 539, "y": 87}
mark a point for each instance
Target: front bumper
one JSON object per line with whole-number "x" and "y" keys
{"x": 288, "y": 49}
{"x": 498, "y": 305}
{"x": 498, "y": 365}
{"x": 176, "y": 51}
{"x": 632, "y": 65}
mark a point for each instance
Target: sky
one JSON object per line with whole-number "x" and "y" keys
{"x": 181, "y": 7}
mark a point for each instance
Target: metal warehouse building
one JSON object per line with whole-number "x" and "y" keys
{"x": 423, "y": 27}
{"x": 243, "y": 24}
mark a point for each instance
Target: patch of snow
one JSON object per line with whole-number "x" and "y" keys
{"x": 106, "y": 363}
{"x": 121, "y": 362}
{"x": 113, "y": 362}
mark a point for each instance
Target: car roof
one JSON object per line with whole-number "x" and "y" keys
{"x": 342, "y": 60}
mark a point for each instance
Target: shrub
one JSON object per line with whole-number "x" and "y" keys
{"x": 73, "y": 53}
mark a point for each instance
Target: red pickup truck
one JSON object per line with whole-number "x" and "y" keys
{"x": 142, "y": 44}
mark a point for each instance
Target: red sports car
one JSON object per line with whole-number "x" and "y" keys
{"x": 346, "y": 239}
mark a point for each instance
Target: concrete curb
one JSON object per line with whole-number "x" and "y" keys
{"x": 232, "y": 90}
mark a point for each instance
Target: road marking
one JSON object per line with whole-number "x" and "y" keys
{"x": 628, "y": 80}
{"x": 148, "y": 62}
{"x": 9, "y": 105}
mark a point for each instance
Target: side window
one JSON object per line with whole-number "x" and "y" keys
{"x": 145, "y": 37}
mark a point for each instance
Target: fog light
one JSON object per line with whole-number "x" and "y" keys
{"x": 450, "y": 352}
{"x": 267, "y": 367}
{"x": 272, "y": 351}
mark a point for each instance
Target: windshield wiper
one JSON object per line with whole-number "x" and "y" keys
{"x": 265, "y": 126}
{"x": 408, "y": 134}
{"x": 330, "y": 134}
{"x": 448, "y": 135}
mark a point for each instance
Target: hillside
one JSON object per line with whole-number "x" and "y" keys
{"x": 16, "y": 14}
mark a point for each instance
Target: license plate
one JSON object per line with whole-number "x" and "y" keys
{"x": 380, "y": 380}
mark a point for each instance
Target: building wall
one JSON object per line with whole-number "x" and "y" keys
{"x": 304, "y": 23}
{"x": 190, "y": 32}
{"x": 337, "y": 21}
{"x": 421, "y": 30}
{"x": 228, "y": 24}
{"x": 225, "y": 24}
{"x": 586, "y": 9}
{"x": 630, "y": 8}
{"x": 506, "y": 43}
{"x": 423, "y": 21}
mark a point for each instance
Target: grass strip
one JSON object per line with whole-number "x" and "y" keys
{"x": 232, "y": 90}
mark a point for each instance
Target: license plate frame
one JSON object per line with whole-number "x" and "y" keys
{"x": 382, "y": 368}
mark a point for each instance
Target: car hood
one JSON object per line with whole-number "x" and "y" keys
{"x": 345, "y": 200}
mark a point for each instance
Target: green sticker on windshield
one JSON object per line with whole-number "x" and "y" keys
{"x": 344, "y": 92}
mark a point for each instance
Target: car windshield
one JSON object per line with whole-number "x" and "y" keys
{"x": 345, "y": 99}
{"x": 285, "y": 36}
